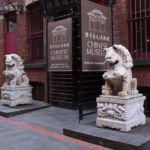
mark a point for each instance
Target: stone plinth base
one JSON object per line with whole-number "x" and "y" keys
{"x": 121, "y": 113}
{"x": 16, "y": 95}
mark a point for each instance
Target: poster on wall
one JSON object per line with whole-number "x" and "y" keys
{"x": 60, "y": 45}
{"x": 96, "y": 35}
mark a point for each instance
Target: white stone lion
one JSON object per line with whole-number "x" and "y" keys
{"x": 14, "y": 72}
{"x": 118, "y": 78}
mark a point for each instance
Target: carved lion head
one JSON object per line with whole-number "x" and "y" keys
{"x": 118, "y": 54}
{"x": 14, "y": 60}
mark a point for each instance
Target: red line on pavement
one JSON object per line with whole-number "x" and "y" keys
{"x": 53, "y": 134}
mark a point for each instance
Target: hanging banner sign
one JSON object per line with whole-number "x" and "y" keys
{"x": 96, "y": 35}
{"x": 60, "y": 45}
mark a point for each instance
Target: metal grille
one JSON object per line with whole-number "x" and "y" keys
{"x": 139, "y": 23}
{"x": 61, "y": 88}
{"x": 35, "y": 36}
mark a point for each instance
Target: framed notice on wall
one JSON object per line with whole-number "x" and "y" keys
{"x": 96, "y": 35}
{"x": 60, "y": 45}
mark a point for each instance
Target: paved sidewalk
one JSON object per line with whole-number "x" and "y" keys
{"x": 41, "y": 130}
{"x": 52, "y": 118}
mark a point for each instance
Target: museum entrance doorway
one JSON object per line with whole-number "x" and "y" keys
{"x": 74, "y": 70}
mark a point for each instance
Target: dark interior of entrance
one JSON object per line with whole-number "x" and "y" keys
{"x": 75, "y": 88}
{"x": 146, "y": 92}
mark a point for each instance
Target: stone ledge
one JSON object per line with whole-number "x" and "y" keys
{"x": 7, "y": 111}
{"x": 120, "y": 100}
{"x": 136, "y": 139}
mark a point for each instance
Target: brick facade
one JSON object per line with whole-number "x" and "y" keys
{"x": 34, "y": 74}
{"x": 121, "y": 36}
{"x": 1, "y": 48}
{"x": 120, "y": 24}
{"x": 120, "y": 32}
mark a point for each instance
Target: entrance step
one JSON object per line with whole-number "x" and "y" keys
{"x": 137, "y": 139}
{"x": 7, "y": 111}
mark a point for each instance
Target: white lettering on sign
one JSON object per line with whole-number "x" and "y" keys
{"x": 96, "y": 48}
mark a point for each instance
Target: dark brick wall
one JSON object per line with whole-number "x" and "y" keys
{"x": 35, "y": 75}
{"x": 22, "y": 41}
{"x": 142, "y": 74}
{"x": 120, "y": 17}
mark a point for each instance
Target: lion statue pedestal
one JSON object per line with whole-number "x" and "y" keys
{"x": 121, "y": 113}
{"x": 16, "y": 95}
{"x": 120, "y": 106}
{"x": 16, "y": 89}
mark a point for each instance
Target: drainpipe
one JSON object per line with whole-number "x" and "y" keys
{"x": 111, "y": 2}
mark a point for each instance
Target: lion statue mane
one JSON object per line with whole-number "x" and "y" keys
{"x": 14, "y": 72}
{"x": 118, "y": 78}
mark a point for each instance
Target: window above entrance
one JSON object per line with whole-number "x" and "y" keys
{"x": 35, "y": 35}
{"x": 139, "y": 24}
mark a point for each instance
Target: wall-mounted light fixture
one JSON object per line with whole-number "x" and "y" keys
{"x": 11, "y": 7}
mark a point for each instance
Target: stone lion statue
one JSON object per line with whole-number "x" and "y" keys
{"x": 118, "y": 78}
{"x": 14, "y": 72}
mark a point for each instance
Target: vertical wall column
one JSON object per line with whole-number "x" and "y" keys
{"x": 2, "y": 47}
{"x": 120, "y": 24}
{"x": 21, "y": 31}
